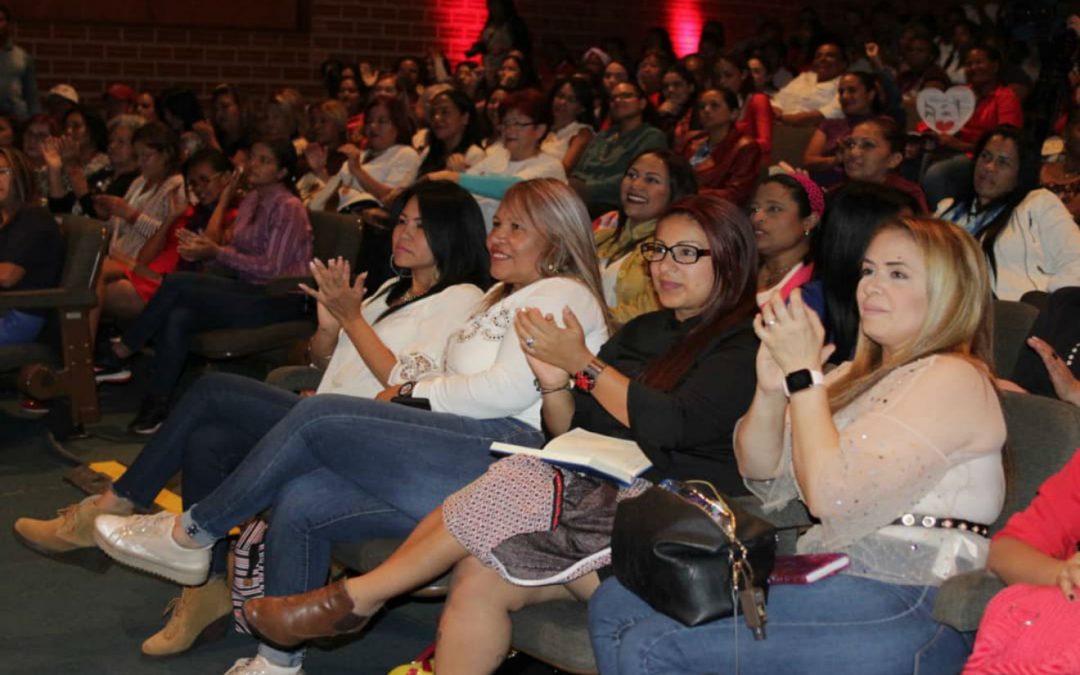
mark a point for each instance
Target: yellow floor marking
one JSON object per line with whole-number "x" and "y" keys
{"x": 166, "y": 499}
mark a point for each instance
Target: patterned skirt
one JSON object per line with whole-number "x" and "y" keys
{"x": 535, "y": 523}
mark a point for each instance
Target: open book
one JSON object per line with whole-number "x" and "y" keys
{"x": 581, "y": 450}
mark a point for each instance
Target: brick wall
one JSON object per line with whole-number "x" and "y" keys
{"x": 380, "y": 31}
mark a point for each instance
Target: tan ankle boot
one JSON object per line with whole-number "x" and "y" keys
{"x": 70, "y": 531}
{"x": 200, "y": 614}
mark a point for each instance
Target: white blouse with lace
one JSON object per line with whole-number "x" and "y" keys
{"x": 926, "y": 439}
{"x": 417, "y": 334}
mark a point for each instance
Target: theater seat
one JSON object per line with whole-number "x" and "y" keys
{"x": 60, "y": 364}
{"x": 1043, "y": 434}
{"x": 333, "y": 235}
{"x": 1012, "y": 324}
{"x": 789, "y": 143}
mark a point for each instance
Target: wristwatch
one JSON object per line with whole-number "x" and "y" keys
{"x": 405, "y": 391}
{"x": 802, "y": 379}
{"x": 585, "y": 379}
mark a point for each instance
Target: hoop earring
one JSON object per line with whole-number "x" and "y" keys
{"x": 399, "y": 272}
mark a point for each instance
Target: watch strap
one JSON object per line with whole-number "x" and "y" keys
{"x": 804, "y": 378}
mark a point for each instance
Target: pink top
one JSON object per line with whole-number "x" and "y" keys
{"x": 1051, "y": 523}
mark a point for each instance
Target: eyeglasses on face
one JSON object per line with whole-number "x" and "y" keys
{"x": 516, "y": 125}
{"x": 684, "y": 254}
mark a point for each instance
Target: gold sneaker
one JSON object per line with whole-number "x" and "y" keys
{"x": 70, "y": 531}
{"x": 200, "y": 614}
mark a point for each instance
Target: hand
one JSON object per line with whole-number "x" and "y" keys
{"x": 108, "y": 206}
{"x": 389, "y": 393}
{"x": 770, "y": 378}
{"x": 873, "y": 52}
{"x": 456, "y": 162}
{"x": 50, "y": 151}
{"x": 1065, "y": 384}
{"x": 205, "y": 130}
{"x": 315, "y": 154}
{"x": 69, "y": 150}
{"x": 343, "y": 301}
{"x": 1069, "y": 576}
{"x": 607, "y": 221}
{"x": 668, "y": 107}
{"x": 196, "y": 247}
{"x": 451, "y": 176}
{"x": 354, "y": 155}
{"x": 563, "y": 348}
{"x": 232, "y": 187}
{"x": 793, "y": 334}
{"x": 1073, "y": 23}
{"x": 368, "y": 74}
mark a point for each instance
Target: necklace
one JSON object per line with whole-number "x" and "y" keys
{"x": 408, "y": 297}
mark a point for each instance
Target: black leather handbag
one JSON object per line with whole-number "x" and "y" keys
{"x": 691, "y": 554}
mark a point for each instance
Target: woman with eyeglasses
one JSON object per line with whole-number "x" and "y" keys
{"x": 674, "y": 381}
{"x": 524, "y": 124}
{"x": 872, "y": 152}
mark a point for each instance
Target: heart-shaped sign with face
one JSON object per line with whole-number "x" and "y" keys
{"x": 946, "y": 112}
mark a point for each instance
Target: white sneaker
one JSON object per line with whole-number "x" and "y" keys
{"x": 146, "y": 543}
{"x": 259, "y": 665}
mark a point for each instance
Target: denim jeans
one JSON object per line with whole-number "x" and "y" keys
{"x": 187, "y": 303}
{"x": 213, "y": 427}
{"x": 339, "y": 468}
{"x": 18, "y": 328}
{"x": 843, "y": 625}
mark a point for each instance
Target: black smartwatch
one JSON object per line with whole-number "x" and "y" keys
{"x": 802, "y": 379}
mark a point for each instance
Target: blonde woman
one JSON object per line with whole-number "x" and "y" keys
{"x": 898, "y": 454}
{"x": 387, "y": 465}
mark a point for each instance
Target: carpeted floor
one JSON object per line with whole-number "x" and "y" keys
{"x": 60, "y": 618}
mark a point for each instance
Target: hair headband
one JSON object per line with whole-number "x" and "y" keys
{"x": 813, "y": 192}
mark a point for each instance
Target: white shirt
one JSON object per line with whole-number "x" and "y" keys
{"x": 156, "y": 207}
{"x": 540, "y": 165}
{"x": 806, "y": 94}
{"x": 1039, "y": 250}
{"x": 417, "y": 335}
{"x": 396, "y": 166}
{"x": 485, "y": 374}
{"x": 557, "y": 143}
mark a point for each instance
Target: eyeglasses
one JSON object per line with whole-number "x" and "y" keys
{"x": 684, "y": 254}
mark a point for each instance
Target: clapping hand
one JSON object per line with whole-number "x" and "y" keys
{"x": 1065, "y": 384}
{"x": 50, "y": 152}
{"x": 541, "y": 338}
{"x": 195, "y": 246}
{"x": 794, "y": 337}
{"x": 344, "y": 301}
{"x": 108, "y": 206}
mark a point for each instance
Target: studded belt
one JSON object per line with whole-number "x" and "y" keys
{"x": 920, "y": 520}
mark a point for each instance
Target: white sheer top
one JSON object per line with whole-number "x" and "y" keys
{"x": 927, "y": 439}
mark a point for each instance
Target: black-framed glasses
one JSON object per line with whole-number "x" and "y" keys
{"x": 684, "y": 254}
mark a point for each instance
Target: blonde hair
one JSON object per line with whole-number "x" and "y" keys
{"x": 558, "y": 214}
{"x": 334, "y": 111}
{"x": 959, "y": 316}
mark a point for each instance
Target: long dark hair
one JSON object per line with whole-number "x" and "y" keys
{"x": 1027, "y": 179}
{"x": 95, "y": 126}
{"x": 733, "y": 297}
{"x": 437, "y": 150}
{"x": 583, "y": 92}
{"x": 682, "y": 181}
{"x": 837, "y": 247}
{"x": 454, "y": 229}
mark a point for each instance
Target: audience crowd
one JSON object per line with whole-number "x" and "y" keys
{"x": 770, "y": 264}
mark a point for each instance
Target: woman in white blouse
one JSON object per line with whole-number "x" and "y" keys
{"x": 387, "y": 164}
{"x": 345, "y": 469}
{"x": 1026, "y": 231}
{"x": 524, "y": 125}
{"x": 397, "y": 334}
{"x": 573, "y": 122}
{"x": 897, "y": 453}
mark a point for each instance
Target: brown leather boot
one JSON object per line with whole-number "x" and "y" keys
{"x": 199, "y": 615}
{"x": 288, "y": 621}
{"x": 70, "y": 531}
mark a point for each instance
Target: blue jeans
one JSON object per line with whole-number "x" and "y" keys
{"x": 187, "y": 303}
{"x": 339, "y": 468}
{"x": 843, "y": 625}
{"x": 214, "y": 426}
{"x": 18, "y": 328}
